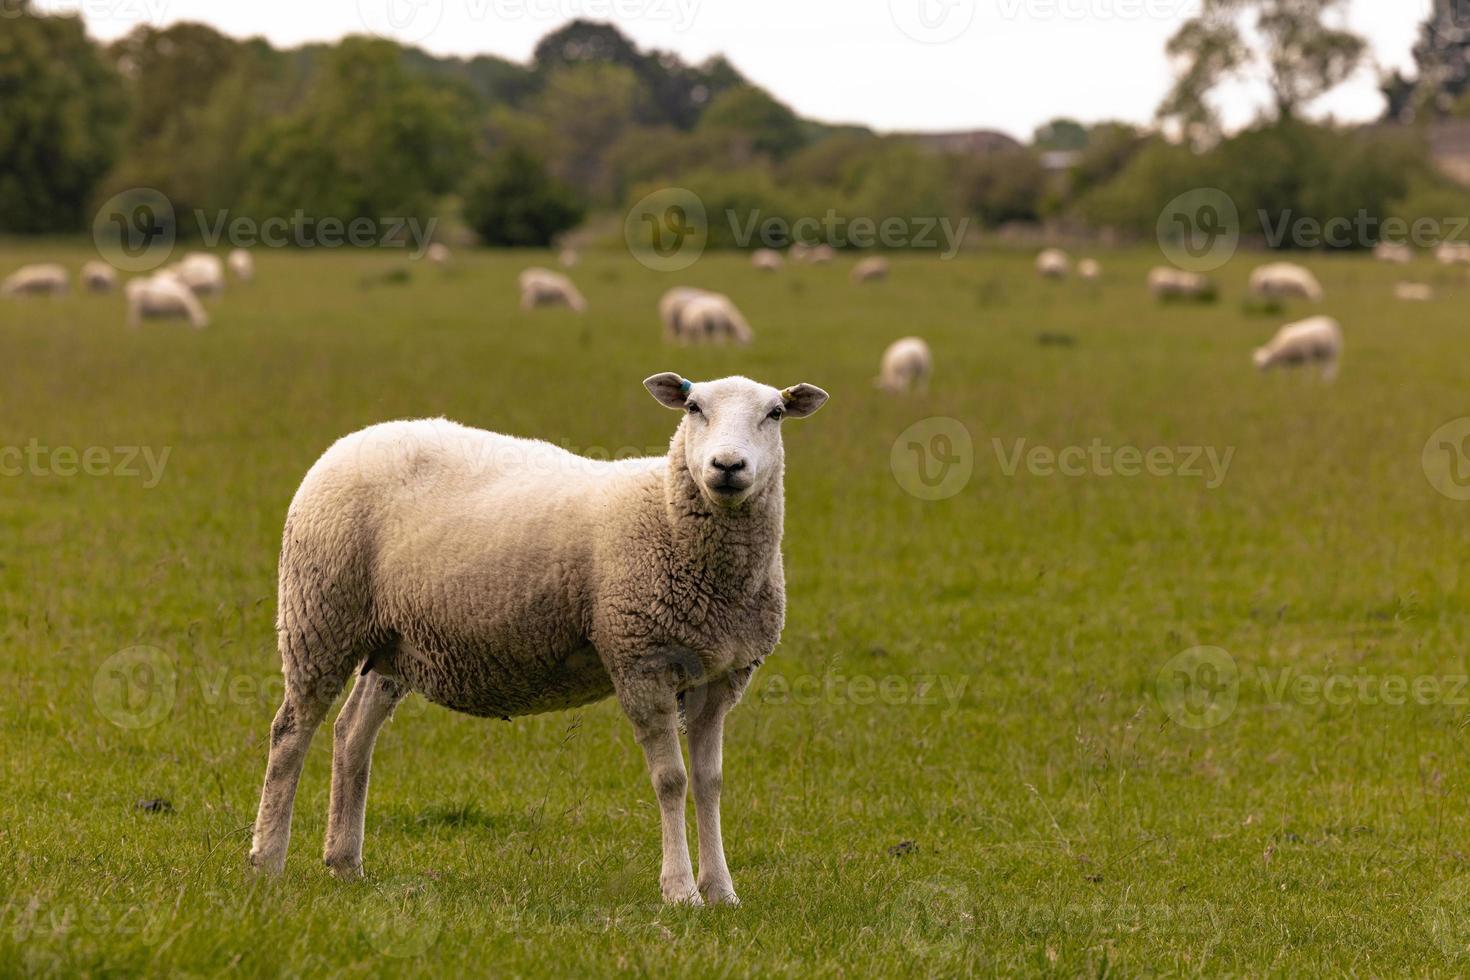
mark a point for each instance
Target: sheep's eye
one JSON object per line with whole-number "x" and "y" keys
{"x": 693, "y": 409}
{"x": 775, "y": 414}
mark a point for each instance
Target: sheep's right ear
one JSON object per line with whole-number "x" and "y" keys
{"x": 670, "y": 389}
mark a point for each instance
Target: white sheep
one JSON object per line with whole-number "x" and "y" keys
{"x": 1453, "y": 253}
{"x": 907, "y": 365}
{"x": 542, "y": 287}
{"x": 98, "y": 277}
{"x": 34, "y": 280}
{"x": 1285, "y": 280}
{"x": 695, "y": 315}
{"x": 1413, "y": 292}
{"x": 164, "y": 294}
{"x": 1166, "y": 283}
{"x": 1317, "y": 340}
{"x": 438, "y": 254}
{"x": 1398, "y": 253}
{"x": 241, "y": 264}
{"x": 500, "y": 576}
{"x": 568, "y": 257}
{"x": 766, "y": 259}
{"x": 202, "y": 272}
{"x": 1089, "y": 270}
{"x": 819, "y": 254}
{"x": 871, "y": 269}
{"x": 1053, "y": 263}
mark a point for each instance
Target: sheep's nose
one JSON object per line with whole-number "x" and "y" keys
{"x": 728, "y": 463}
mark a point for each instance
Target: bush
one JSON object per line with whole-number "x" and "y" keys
{"x": 513, "y": 200}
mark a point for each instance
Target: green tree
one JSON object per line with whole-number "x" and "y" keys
{"x": 61, "y": 114}
{"x": 513, "y": 200}
{"x": 1060, "y": 134}
{"x": 586, "y": 108}
{"x": 751, "y": 117}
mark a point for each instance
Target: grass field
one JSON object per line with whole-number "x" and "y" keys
{"x": 961, "y": 758}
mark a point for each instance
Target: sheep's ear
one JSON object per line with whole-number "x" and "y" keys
{"x": 802, "y": 400}
{"x": 670, "y": 389}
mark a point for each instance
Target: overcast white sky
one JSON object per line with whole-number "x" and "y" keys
{"x": 892, "y": 64}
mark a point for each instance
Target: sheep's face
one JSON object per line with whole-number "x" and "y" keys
{"x": 732, "y": 430}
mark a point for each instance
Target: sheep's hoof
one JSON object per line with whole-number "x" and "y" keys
{"x": 265, "y": 866}
{"x": 682, "y": 895}
{"x": 720, "y": 895}
{"x": 344, "y": 869}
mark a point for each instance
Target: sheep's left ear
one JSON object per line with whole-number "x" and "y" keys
{"x": 670, "y": 389}
{"x": 802, "y": 400}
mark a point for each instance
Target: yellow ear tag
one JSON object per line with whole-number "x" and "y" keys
{"x": 786, "y": 396}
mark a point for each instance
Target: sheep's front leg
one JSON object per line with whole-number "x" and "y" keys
{"x": 655, "y": 723}
{"x": 706, "y": 743}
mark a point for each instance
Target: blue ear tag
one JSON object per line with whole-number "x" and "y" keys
{"x": 684, "y": 386}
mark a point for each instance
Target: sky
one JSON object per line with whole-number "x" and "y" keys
{"x": 895, "y": 65}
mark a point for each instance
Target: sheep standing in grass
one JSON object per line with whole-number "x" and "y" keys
{"x": 499, "y": 576}
{"x": 907, "y": 365}
{"x": 1395, "y": 252}
{"x": 35, "y": 280}
{"x": 99, "y": 277}
{"x": 1453, "y": 253}
{"x": 694, "y": 316}
{"x": 1413, "y": 292}
{"x": 568, "y": 258}
{"x": 1166, "y": 284}
{"x": 1089, "y": 270}
{"x": 1285, "y": 280}
{"x": 202, "y": 272}
{"x": 241, "y": 264}
{"x": 767, "y": 260}
{"x": 1317, "y": 340}
{"x": 163, "y": 295}
{"x": 438, "y": 254}
{"x": 1053, "y": 263}
{"x": 872, "y": 269}
{"x": 542, "y": 287}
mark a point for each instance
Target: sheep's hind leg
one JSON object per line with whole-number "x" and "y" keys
{"x": 300, "y": 714}
{"x": 369, "y": 705}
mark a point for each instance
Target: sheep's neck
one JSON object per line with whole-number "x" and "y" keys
{"x": 738, "y": 545}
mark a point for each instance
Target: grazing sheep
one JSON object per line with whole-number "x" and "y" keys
{"x": 1285, "y": 280}
{"x": 438, "y": 254}
{"x": 1453, "y": 253}
{"x": 1053, "y": 263}
{"x": 1414, "y": 292}
{"x": 1090, "y": 270}
{"x": 819, "y": 254}
{"x": 202, "y": 272}
{"x": 871, "y": 269}
{"x": 99, "y": 277}
{"x": 694, "y": 315}
{"x": 766, "y": 260}
{"x": 500, "y": 576}
{"x": 1395, "y": 252}
{"x": 35, "y": 280}
{"x": 568, "y": 258}
{"x": 1317, "y": 340}
{"x": 542, "y": 287}
{"x": 241, "y": 264}
{"x": 164, "y": 294}
{"x": 907, "y": 365}
{"x": 1165, "y": 283}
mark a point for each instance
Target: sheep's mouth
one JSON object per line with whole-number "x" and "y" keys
{"x": 726, "y": 490}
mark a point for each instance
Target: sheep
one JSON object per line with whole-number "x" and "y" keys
{"x": 1285, "y": 280}
{"x": 99, "y": 277}
{"x": 1053, "y": 263}
{"x": 1395, "y": 252}
{"x": 241, "y": 264}
{"x": 1414, "y": 292}
{"x": 819, "y": 254}
{"x": 1165, "y": 283}
{"x": 1453, "y": 253}
{"x": 1090, "y": 270}
{"x": 907, "y": 365}
{"x": 437, "y": 254}
{"x": 871, "y": 269}
{"x": 499, "y": 576}
{"x": 202, "y": 272}
{"x": 164, "y": 294}
{"x": 568, "y": 258}
{"x": 693, "y": 315}
{"x": 542, "y": 287}
{"x": 35, "y": 280}
{"x": 1317, "y": 340}
{"x": 766, "y": 259}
